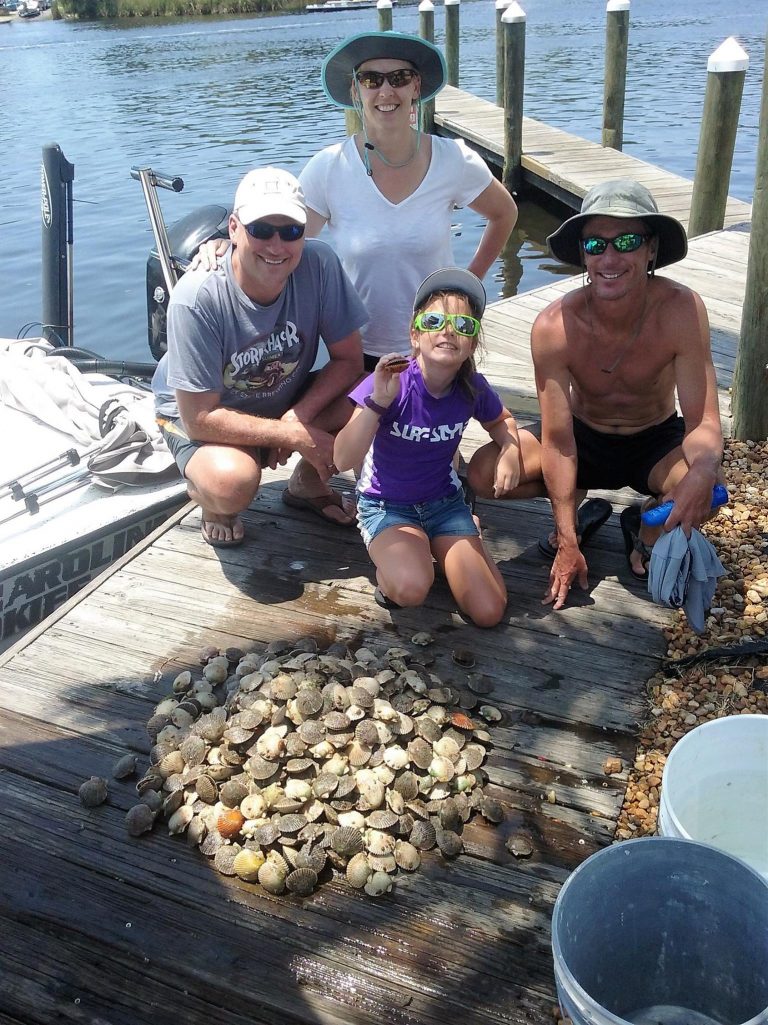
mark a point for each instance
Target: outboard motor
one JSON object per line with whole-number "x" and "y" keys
{"x": 184, "y": 238}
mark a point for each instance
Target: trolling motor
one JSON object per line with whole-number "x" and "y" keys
{"x": 174, "y": 248}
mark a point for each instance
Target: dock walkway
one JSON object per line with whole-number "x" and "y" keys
{"x": 560, "y": 164}
{"x": 97, "y": 927}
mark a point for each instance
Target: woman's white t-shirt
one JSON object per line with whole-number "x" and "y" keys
{"x": 387, "y": 249}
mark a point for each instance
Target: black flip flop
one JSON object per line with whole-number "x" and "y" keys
{"x": 385, "y": 603}
{"x": 591, "y": 516}
{"x": 629, "y": 521}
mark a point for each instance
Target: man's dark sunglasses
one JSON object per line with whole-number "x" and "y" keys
{"x": 263, "y": 231}
{"x": 629, "y": 242}
{"x": 375, "y": 79}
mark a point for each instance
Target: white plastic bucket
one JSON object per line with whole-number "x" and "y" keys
{"x": 661, "y": 931}
{"x": 715, "y": 788}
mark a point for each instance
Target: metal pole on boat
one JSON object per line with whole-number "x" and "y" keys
{"x": 614, "y": 89}
{"x": 56, "y": 177}
{"x": 750, "y": 376}
{"x": 452, "y": 41}
{"x": 427, "y": 31}
{"x": 500, "y": 6}
{"x": 726, "y": 69}
{"x": 384, "y": 7}
{"x": 513, "y": 21}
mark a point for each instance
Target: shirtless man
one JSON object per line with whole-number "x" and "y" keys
{"x": 609, "y": 358}
{"x": 236, "y": 392}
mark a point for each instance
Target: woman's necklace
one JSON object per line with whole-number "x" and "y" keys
{"x": 369, "y": 148}
{"x": 630, "y": 341}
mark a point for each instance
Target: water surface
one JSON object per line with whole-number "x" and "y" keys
{"x": 209, "y": 98}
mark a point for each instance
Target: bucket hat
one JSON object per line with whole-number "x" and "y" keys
{"x": 453, "y": 279}
{"x": 621, "y": 198}
{"x": 340, "y": 63}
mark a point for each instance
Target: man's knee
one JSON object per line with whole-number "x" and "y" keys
{"x": 229, "y": 474}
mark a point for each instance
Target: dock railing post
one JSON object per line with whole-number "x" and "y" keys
{"x": 452, "y": 41}
{"x": 726, "y": 69}
{"x": 750, "y": 376}
{"x": 427, "y": 31}
{"x": 616, "y": 45}
{"x": 500, "y": 6}
{"x": 513, "y": 21}
{"x": 384, "y": 7}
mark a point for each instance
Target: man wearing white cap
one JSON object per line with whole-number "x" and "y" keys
{"x": 611, "y": 358}
{"x": 235, "y": 391}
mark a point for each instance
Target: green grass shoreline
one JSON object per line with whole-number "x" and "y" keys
{"x": 87, "y": 10}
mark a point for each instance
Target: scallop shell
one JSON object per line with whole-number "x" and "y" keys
{"x": 378, "y": 884}
{"x": 224, "y": 859}
{"x": 407, "y": 856}
{"x": 289, "y": 824}
{"x": 260, "y": 768}
{"x": 266, "y": 835}
{"x": 422, "y": 638}
{"x": 230, "y": 822}
{"x": 93, "y": 792}
{"x": 358, "y": 871}
{"x": 407, "y": 785}
{"x": 309, "y": 702}
{"x": 396, "y": 757}
{"x": 450, "y": 815}
{"x": 358, "y": 754}
{"x": 193, "y": 750}
{"x": 232, "y": 793}
{"x": 420, "y": 752}
{"x": 139, "y": 819}
{"x": 422, "y": 836}
{"x": 383, "y": 819}
{"x": 379, "y": 843}
{"x": 196, "y": 831}
{"x": 325, "y": 784}
{"x": 282, "y": 687}
{"x": 489, "y": 713}
{"x": 442, "y": 769}
{"x": 492, "y": 810}
{"x": 301, "y": 881}
{"x": 206, "y": 789}
{"x": 212, "y": 841}
{"x": 474, "y": 756}
{"x": 367, "y": 733}
{"x": 347, "y": 841}
{"x": 125, "y": 766}
{"x": 311, "y": 732}
{"x": 352, "y": 819}
{"x": 180, "y": 819}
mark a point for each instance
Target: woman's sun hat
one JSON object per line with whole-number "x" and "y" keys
{"x": 622, "y": 198}
{"x": 453, "y": 279}
{"x": 340, "y": 64}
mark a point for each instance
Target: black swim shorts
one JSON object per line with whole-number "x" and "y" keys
{"x": 612, "y": 461}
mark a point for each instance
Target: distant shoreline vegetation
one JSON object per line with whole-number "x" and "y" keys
{"x": 87, "y": 10}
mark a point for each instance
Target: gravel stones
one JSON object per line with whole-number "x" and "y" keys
{"x": 681, "y": 700}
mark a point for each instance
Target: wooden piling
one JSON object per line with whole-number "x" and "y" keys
{"x": 501, "y": 6}
{"x": 750, "y": 376}
{"x": 452, "y": 41}
{"x": 384, "y": 7}
{"x": 616, "y": 45}
{"x": 513, "y": 22}
{"x": 427, "y": 31}
{"x": 726, "y": 69}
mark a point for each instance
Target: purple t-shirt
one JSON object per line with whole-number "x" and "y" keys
{"x": 410, "y": 459}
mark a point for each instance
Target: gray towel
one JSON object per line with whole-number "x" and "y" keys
{"x": 683, "y": 573}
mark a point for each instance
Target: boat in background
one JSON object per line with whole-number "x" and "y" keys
{"x": 29, "y": 9}
{"x": 342, "y": 5}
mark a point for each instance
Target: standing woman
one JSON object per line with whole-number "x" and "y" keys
{"x": 387, "y": 194}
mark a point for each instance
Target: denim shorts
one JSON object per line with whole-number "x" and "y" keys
{"x": 442, "y": 517}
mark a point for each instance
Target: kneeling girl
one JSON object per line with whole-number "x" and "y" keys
{"x": 406, "y": 431}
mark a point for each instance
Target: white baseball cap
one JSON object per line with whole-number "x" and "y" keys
{"x": 268, "y": 191}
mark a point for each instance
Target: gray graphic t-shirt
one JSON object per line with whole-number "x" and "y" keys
{"x": 256, "y": 357}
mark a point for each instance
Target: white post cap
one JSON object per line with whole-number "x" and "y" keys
{"x": 729, "y": 56}
{"x": 449, "y": 3}
{"x": 426, "y": 6}
{"x": 617, "y": 5}
{"x": 383, "y": 5}
{"x": 513, "y": 13}
{"x": 501, "y": 4}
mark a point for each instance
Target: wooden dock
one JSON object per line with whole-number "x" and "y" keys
{"x": 97, "y": 928}
{"x": 560, "y": 164}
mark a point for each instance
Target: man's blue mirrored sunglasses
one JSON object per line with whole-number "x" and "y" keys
{"x": 626, "y": 243}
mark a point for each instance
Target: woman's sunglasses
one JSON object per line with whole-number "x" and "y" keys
{"x": 629, "y": 242}
{"x": 375, "y": 79}
{"x": 460, "y": 322}
{"x": 263, "y": 231}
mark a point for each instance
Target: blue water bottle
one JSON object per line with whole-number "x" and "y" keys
{"x": 658, "y": 515}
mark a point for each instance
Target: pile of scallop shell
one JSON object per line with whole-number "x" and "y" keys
{"x": 302, "y": 761}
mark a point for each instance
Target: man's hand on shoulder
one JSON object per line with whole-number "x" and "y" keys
{"x": 569, "y": 565}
